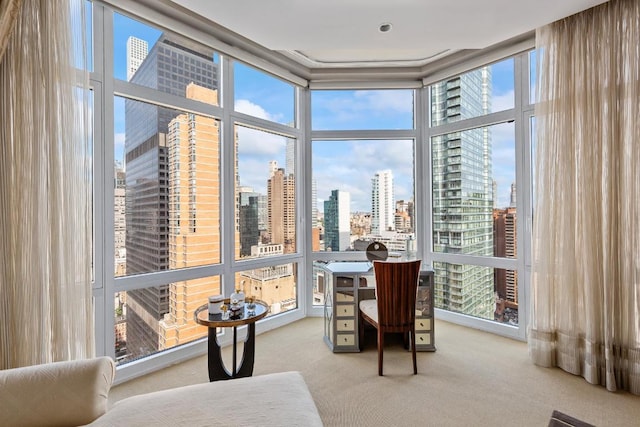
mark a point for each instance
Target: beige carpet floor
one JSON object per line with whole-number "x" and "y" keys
{"x": 473, "y": 379}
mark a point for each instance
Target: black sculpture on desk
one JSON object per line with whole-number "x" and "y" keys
{"x": 376, "y": 251}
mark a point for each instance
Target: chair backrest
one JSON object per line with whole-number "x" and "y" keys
{"x": 396, "y": 289}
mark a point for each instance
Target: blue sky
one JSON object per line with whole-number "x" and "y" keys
{"x": 345, "y": 165}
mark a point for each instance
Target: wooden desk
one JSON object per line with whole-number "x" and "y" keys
{"x": 217, "y": 370}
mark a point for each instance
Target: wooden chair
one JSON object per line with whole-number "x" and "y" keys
{"x": 394, "y": 309}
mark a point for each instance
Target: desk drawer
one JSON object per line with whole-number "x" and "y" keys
{"x": 344, "y": 296}
{"x": 345, "y": 325}
{"x": 423, "y": 325}
{"x": 346, "y": 310}
{"x": 423, "y": 339}
{"x": 345, "y": 340}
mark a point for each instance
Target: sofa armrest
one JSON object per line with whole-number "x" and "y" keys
{"x": 53, "y": 394}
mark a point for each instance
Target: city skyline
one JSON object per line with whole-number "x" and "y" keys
{"x": 266, "y": 97}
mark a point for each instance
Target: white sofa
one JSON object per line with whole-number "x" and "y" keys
{"x": 76, "y": 393}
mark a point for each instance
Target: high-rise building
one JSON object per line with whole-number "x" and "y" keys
{"x": 281, "y": 208}
{"x": 248, "y": 217}
{"x": 382, "y": 202}
{"x": 263, "y": 214}
{"x": 119, "y": 221}
{"x": 315, "y": 228}
{"x": 193, "y": 144}
{"x": 505, "y": 243}
{"x": 137, "y": 50}
{"x": 463, "y": 195}
{"x": 120, "y": 232}
{"x": 404, "y": 217}
{"x": 337, "y": 218}
{"x": 169, "y": 67}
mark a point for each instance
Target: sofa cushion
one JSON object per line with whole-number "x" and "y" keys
{"x": 268, "y": 400}
{"x": 66, "y": 393}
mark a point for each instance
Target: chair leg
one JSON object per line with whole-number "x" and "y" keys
{"x": 380, "y": 347}
{"x": 413, "y": 351}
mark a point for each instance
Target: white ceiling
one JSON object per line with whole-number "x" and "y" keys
{"x": 335, "y": 33}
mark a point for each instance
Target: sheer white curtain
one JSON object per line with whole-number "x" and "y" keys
{"x": 586, "y": 243}
{"x": 45, "y": 178}
{"x": 8, "y": 14}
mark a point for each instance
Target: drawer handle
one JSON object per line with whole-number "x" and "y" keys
{"x": 421, "y": 324}
{"x": 421, "y": 339}
{"x": 345, "y": 339}
{"x": 345, "y": 325}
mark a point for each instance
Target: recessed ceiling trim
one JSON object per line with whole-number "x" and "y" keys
{"x": 315, "y": 63}
{"x": 464, "y": 61}
{"x": 367, "y": 84}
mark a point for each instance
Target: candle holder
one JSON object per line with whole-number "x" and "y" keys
{"x": 251, "y": 305}
{"x": 225, "y": 312}
{"x": 236, "y": 309}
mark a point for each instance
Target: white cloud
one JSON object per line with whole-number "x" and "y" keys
{"x": 503, "y": 102}
{"x": 255, "y": 150}
{"x": 254, "y": 173}
{"x": 255, "y": 143}
{"x": 247, "y": 107}
{"x": 400, "y": 101}
{"x": 362, "y": 109}
{"x": 350, "y": 166}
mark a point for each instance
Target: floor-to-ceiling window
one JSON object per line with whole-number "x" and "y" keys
{"x": 479, "y": 194}
{"x": 266, "y": 187}
{"x": 363, "y": 174}
{"x": 211, "y": 177}
{"x": 198, "y": 155}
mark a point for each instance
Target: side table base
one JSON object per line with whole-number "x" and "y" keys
{"x": 217, "y": 370}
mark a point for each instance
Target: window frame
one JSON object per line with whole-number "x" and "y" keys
{"x": 522, "y": 265}
{"x": 105, "y": 87}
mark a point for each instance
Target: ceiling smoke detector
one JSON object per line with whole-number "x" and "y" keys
{"x": 384, "y": 28}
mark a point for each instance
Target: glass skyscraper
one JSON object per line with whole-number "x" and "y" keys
{"x": 463, "y": 195}
{"x": 337, "y": 228}
{"x": 248, "y": 220}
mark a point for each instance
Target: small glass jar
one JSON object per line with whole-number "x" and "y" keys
{"x": 237, "y": 295}
{"x": 225, "y": 312}
{"x": 251, "y": 305}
